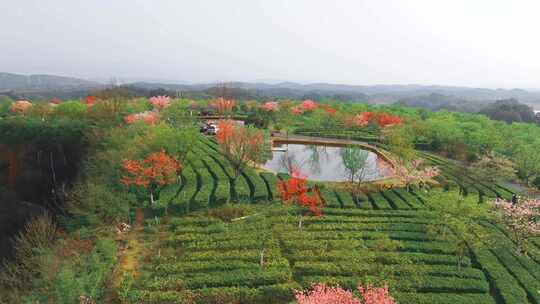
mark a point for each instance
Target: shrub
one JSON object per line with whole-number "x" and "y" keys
{"x": 97, "y": 203}
{"x": 84, "y": 276}
{"x": 32, "y": 249}
{"x": 536, "y": 182}
{"x": 71, "y": 110}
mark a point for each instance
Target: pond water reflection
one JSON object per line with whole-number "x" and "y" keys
{"x": 318, "y": 162}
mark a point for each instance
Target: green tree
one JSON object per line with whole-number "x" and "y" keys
{"x": 5, "y": 104}
{"x": 400, "y": 142}
{"x": 492, "y": 167}
{"x": 527, "y": 161}
{"x": 178, "y": 115}
{"x": 355, "y": 162}
{"x": 178, "y": 142}
{"x": 71, "y": 110}
{"x": 285, "y": 119}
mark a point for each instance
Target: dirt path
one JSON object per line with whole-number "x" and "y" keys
{"x": 523, "y": 190}
{"x": 131, "y": 250}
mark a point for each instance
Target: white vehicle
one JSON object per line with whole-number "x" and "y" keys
{"x": 212, "y": 129}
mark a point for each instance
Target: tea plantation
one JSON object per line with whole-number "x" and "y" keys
{"x": 200, "y": 249}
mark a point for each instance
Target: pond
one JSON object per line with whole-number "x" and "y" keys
{"x": 320, "y": 163}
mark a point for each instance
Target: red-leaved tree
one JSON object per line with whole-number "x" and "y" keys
{"x": 382, "y": 120}
{"x": 522, "y": 219}
{"x": 152, "y": 173}
{"x": 387, "y": 120}
{"x": 323, "y": 294}
{"x": 90, "y": 100}
{"x": 241, "y": 146}
{"x": 296, "y": 191}
{"x": 328, "y": 109}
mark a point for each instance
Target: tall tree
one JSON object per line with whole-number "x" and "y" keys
{"x": 160, "y": 102}
{"x": 223, "y": 106}
{"x": 355, "y": 162}
{"x": 153, "y": 173}
{"x": 400, "y": 141}
{"x": 527, "y": 161}
{"x": 240, "y": 146}
{"x": 285, "y": 117}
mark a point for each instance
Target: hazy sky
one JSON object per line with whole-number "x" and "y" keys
{"x": 489, "y": 43}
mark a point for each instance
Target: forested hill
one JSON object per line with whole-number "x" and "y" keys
{"x": 20, "y": 84}
{"x": 435, "y": 98}
{"x": 16, "y": 82}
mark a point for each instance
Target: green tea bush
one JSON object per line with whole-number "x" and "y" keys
{"x": 271, "y": 294}
{"x": 229, "y": 212}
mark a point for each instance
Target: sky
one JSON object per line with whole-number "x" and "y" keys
{"x": 478, "y": 43}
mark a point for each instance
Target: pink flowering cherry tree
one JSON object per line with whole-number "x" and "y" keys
{"x": 148, "y": 117}
{"x": 323, "y": 294}
{"x": 223, "y": 106}
{"x": 413, "y": 173}
{"x": 298, "y": 110}
{"x": 21, "y": 106}
{"x": 160, "y": 102}
{"x": 270, "y": 106}
{"x": 522, "y": 219}
{"x": 376, "y": 295}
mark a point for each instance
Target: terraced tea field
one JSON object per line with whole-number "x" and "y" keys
{"x": 260, "y": 259}
{"x": 207, "y": 251}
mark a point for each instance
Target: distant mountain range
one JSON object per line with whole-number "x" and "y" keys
{"x": 374, "y": 90}
{"x": 16, "y": 82}
{"x": 26, "y": 84}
